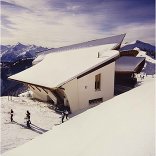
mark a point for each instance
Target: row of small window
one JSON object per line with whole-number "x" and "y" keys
{"x": 95, "y": 101}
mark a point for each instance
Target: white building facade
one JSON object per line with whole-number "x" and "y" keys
{"x": 82, "y": 92}
{"x": 77, "y": 78}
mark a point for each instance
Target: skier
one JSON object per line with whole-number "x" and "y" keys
{"x": 12, "y": 114}
{"x": 28, "y": 123}
{"x": 28, "y": 119}
{"x": 28, "y": 115}
{"x": 65, "y": 113}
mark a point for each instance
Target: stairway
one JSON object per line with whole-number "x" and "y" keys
{"x": 60, "y": 98}
{"x": 53, "y": 97}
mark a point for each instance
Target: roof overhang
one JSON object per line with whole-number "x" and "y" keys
{"x": 129, "y": 64}
{"x": 129, "y": 52}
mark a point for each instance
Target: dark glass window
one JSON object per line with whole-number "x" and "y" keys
{"x": 98, "y": 82}
{"x": 95, "y": 101}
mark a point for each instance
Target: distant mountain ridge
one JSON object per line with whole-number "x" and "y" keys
{"x": 139, "y": 44}
{"x": 14, "y": 59}
{"x": 13, "y": 53}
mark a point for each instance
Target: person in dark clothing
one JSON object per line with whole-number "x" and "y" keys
{"x": 28, "y": 123}
{"x": 28, "y": 118}
{"x": 65, "y": 114}
{"x": 28, "y": 114}
{"x": 12, "y": 114}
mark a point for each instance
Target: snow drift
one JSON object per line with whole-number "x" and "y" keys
{"x": 122, "y": 126}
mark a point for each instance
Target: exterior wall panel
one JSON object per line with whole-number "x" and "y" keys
{"x": 86, "y": 86}
{"x": 71, "y": 92}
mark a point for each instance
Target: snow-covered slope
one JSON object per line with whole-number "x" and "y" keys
{"x": 16, "y": 133}
{"x": 122, "y": 126}
{"x": 150, "y": 64}
{"x": 12, "y": 53}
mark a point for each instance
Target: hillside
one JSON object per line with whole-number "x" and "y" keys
{"x": 17, "y": 133}
{"x": 121, "y": 126}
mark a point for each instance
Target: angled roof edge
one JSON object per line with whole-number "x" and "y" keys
{"x": 116, "y": 47}
{"x": 77, "y": 45}
{"x": 33, "y": 84}
{"x": 97, "y": 42}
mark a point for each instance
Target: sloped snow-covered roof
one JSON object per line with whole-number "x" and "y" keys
{"x": 129, "y": 64}
{"x": 116, "y": 40}
{"x": 122, "y": 126}
{"x": 58, "y": 68}
{"x": 103, "y": 41}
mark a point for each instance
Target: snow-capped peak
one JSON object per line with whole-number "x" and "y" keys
{"x": 138, "y": 44}
{"x": 19, "y": 51}
{"x": 19, "y": 44}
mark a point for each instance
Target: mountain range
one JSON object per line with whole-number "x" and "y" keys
{"x": 139, "y": 44}
{"x": 14, "y": 59}
{"x": 13, "y": 53}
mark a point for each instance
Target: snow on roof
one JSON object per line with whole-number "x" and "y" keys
{"x": 122, "y": 126}
{"x": 103, "y": 41}
{"x": 59, "y": 68}
{"x": 129, "y": 64}
{"x": 117, "y": 40}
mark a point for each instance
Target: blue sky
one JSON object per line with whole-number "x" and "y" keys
{"x": 56, "y": 23}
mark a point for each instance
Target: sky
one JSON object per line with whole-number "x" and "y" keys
{"x": 55, "y": 23}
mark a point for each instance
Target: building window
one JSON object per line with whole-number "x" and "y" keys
{"x": 98, "y": 82}
{"x": 95, "y": 101}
